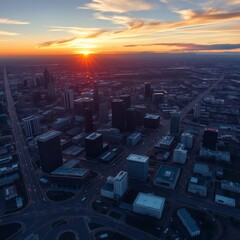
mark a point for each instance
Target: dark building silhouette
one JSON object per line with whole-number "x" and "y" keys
{"x": 147, "y": 90}
{"x": 175, "y": 123}
{"x": 88, "y": 118}
{"x": 210, "y": 138}
{"x": 80, "y": 104}
{"x": 95, "y": 98}
{"x": 46, "y": 78}
{"x": 151, "y": 121}
{"x": 127, "y": 99}
{"x": 140, "y": 114}
{"x": 131, "y": 119}
{"x": 119, "y": 114}
{"x": 94, "y": 145}
{"x": 50, "y": 152}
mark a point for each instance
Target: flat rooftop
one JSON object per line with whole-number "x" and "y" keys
{"x": 167, "y": 173}
{"x": 48, "y": 135}
{"x": 120, "y": 176}
{"x": 149, "y": 201}
{"x": 108, "y": 187}
{"x": 152, "y": 116}
{"x": 137, "y": 158}
{"x": 167, "y": 140}
{"x": 93, "y": 136}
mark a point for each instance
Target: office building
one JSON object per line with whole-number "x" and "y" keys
{"x": 119, "y": 114}
{"x": 95, "y": 98}
{"x": 167, "y": 177}
{"x": 131, "y": 119}
{"x": 158, "y": 98}
{"x": 50, "y": 151}
{"x": 187, "y": 140}
{"x": 228, "y": 201}
{"x": 46, "y": 78}
{"x": 80, "y": 104}
{"x": 147, "y": 90}
{"x": 230, "y": 186}
{"x": 140, "y": 114}
{"x": 149, "y": 204}
{"x": 189, "y": 223}
{"x": 202, "y": 169}
{"x": 31, "y": 126}
{"x": 134, "y": 139}
{"x": 94, "y": 145}
{"x": 68, "y": 97}
{"x": 88, "y": 120}
{"x": 151, "y": 121}
{"x": 165, "y": 142}
{"x": 210, "y": 138}
{"x": 103, "y": 112}
{"x": 197, "y": 111}
{"x": 180, "y": 154}
{"x": 137, "y": 167}
{"x": 115, "y": 186}
{"x": 127, "y": 99}
{"x": 209, "y": 154}
{"x": 175, "y": 123}
{"x": 111, "y": 135}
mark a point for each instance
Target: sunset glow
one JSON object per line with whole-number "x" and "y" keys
{"x": 108, "y": 26}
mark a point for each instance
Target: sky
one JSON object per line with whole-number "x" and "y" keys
{"x": 46, "y": 27}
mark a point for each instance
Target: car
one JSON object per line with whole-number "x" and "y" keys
{"x": 83, "y": 199}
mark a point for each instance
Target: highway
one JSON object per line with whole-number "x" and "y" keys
{"x": 39, "y": 214}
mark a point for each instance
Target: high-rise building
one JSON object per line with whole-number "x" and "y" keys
{"x": 151, "y": 121}
{"x": 180, "y": 154}
{"x": 88, "y": 118}
{"x": 210, "y": 138}
{"x": 147, "y": 90}
{"x": 31, "y": 126}
{"x": 197, "y": 111}
{"x": 131, "y": 119}
{"x": 68, "y": 97}
{"x": 127, "y": 99}
{"x": 120, "y": 183}
{"x": 119, "y": 114}
{"x": 103, "y": 112}
{"x": 80, "y": 104}
{"x": 46, "y": 78}
{"x": 95, "y": 98}
{"x": 175, "y": 123}
{"x": 140, "y": 114}
{"x": 94, "y": 145}
{"x": 137, "y": 166}
{"x": 50, "y": 151}
{"x": 187, "y": 140}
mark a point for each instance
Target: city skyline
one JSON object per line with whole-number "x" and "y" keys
{"x": 106, "y": 26}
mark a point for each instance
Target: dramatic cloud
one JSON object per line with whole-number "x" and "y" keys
{"x": 6, "y": 33}
{"x": 117, "y": 6}
{"x": 191, "y": 46}
{"x": 12, "y": 22}
{"x": 56, "y": 43}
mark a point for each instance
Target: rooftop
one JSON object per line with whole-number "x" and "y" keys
{"x": 137, "y": 158}
{"x": 167, "y": 140}
{"x": 149, "y": 200}
{"x": 93, "y": 136}
{"x": 167, "y": 173}
{"x": 48, "y": 135}
{"x": 152, "y": 116}
{"x": 120, "y": 176}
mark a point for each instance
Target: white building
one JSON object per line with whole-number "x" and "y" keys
{"x": 149, "y": 204}
{"x": 180, "y": 154}
{"x": 68, "y": 97}
{"x": 225, "y": 200}
{"x": 187, "y": 140}
{"x": 115, "y": 186}
{"x": 31, "y": 126}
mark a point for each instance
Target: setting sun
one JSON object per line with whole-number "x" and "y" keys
{"x": 85, "y": 52}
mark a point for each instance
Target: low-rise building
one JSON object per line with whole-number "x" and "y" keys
{"x": 165, "y": 142}
{"x": 167, "y": 177}
{"x": 215, "y": 155}
{"x": 149, "y": 204}
{"x": 230, "y": 186}
{"x": 190, "y": 224}
{"x": 202, "y": 169}
{"x": 134, "y": 139}
{"x": 225, "y": 200}
{"x": 180, "y": 154}
{"x": 187, "y": 140}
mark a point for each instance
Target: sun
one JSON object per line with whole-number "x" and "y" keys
{"x": 85, "y": 53}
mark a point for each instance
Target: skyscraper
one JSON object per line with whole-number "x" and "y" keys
{"x": 88, "y": 118}
{"x": 68, "y": 97}
{"x": 131, "y": 119}
{"x": 94, "y": 145}
{"x": 175, "y": 123}
{"x": 127, "y": 99}
{"x": 210, "y": 138}
{"x": 96, "y": 98}
{"x": 119, "y": 114}
{"x": 31, "y": 125}
{"x": 197, "y": 111}
{"x": 46, "y": 78}
{"x": 103, "y": 112}
{"x": 50, "y": 152}
{"x": 147, "y": 90}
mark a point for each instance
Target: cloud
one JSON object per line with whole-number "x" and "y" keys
{"x": 12, "y": 22}
{"x": 54, "y": 43}
{"x": 191, "y": 46}
{"x": 6, "y": 33}
{"x": 117, "y": 6}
